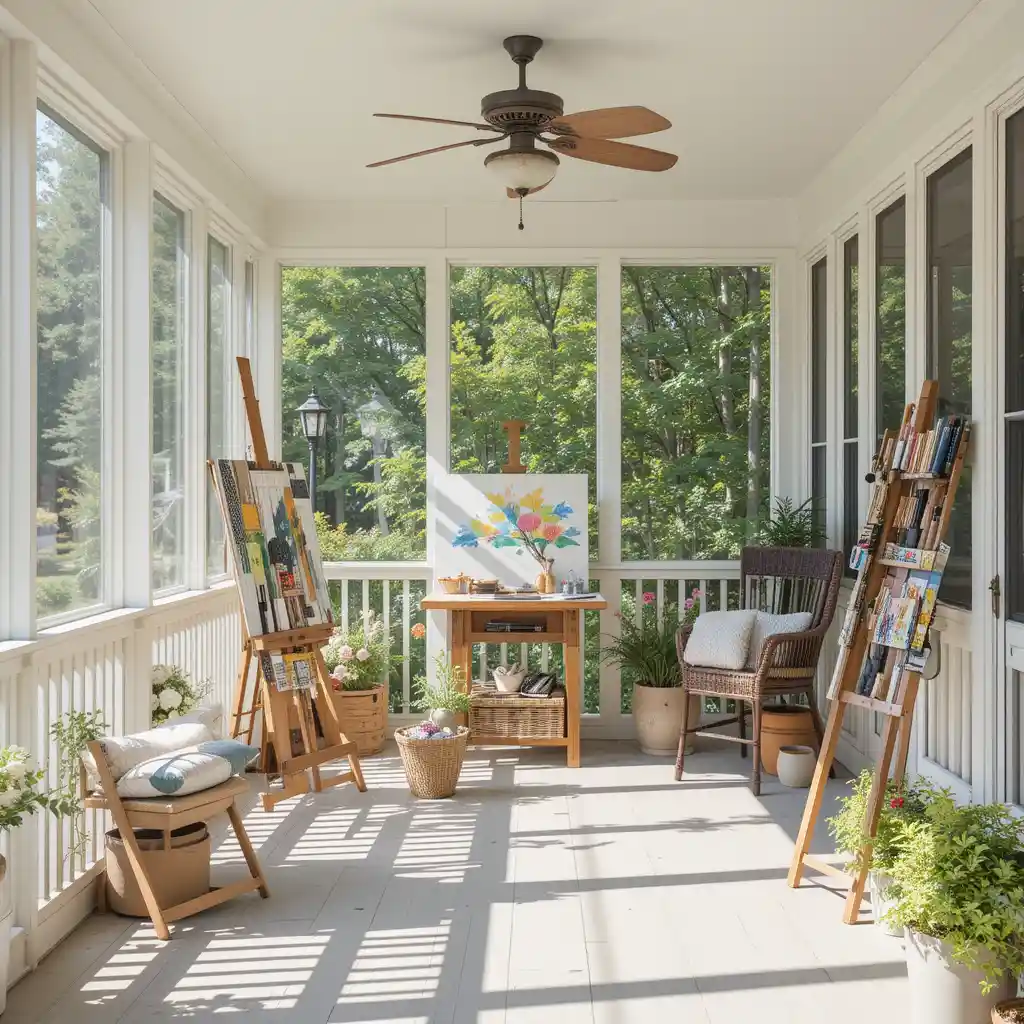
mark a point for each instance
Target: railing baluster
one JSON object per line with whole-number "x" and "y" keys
{"x": 723, "y": 595}
{"x": 344, "y": 605}
{"x": 366, "y": 603}
{"x": 406, "y": 667}
{"x": 386, "y": 617}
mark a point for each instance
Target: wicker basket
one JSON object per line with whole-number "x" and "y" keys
{"x": 510, "y": 716}
{"x": 432, "y": 766}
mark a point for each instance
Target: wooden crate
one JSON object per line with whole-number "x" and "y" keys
{"x": 509, "y": 716}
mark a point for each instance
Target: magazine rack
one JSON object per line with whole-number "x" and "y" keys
{"x": 883, "y": 644}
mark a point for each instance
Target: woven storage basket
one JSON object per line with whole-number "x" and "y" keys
{"x": 510, "y": 716}
{"x": 432, "y": 766}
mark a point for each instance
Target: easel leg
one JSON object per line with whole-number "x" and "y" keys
{"x": 817, "y": 791}
{"x": 853, "y": 900}
{"x": 308, "y": 731}
{"x": 329, "y": 721}
{"x": 240, "y": 688}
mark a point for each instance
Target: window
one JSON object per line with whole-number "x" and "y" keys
{"x": 851, "y": 454}
{"x": 218, "y": 373}
{"x": 695, "y": 429}
{"x": 357, "y": 335}
{"x": 1014, "y": 454}
{"x": 949, "y": 339}
{"x": 168, "y": 368}
{"x": 71, "y": 194}
{"x": 890, "y": 315}
{"x": 819, "y": 393}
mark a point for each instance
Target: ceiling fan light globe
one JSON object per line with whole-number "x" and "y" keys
{"x": 522, "y": 170}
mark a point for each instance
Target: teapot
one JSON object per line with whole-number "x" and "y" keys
{"x": 508, "y": 678}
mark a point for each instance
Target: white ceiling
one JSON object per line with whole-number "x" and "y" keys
{"x": 761, "y": 94}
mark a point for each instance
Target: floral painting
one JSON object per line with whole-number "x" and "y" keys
{"x": 486, "y": 523}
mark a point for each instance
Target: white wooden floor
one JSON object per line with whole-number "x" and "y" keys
{"x": 609, "y": 894}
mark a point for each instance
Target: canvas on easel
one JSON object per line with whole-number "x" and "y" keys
{"x": 287, "y": 612}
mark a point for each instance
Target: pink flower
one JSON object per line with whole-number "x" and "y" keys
{"x": 345, "y": 653}
{"x": 363, "y": 654}
{"x": 552, "y": 531}
{"x": 419, "y": 631}
{"x": 528, "y": 522}
{"x": 688, "y": 604}
{"x": 696, "y": 592}
{"x": 650, "y": 597}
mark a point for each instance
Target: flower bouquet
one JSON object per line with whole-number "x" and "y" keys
{"x": 173, "y": 693}
{"x": 18, "y": 793}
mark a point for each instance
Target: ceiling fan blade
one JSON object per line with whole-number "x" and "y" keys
{"x": 616, "y": 154}
{"x": 436, "y": 149}
{"x": 610, "y": 123}
{"x": 443, "y": 120}
{"x": 513, "y": 194}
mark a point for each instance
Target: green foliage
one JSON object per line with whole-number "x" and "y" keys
{"x": 647, "y": 649}
{"x": 447, "y": 692}
{"x": 18, "y": 794}
{"x": 72, "y": 733}
{"x": 959, "y": 876}
{"x": 359, "y": 658}
{"x": 173, "y": 693}
{"x": 338, "y": 544}
{"x": 793, "y": 526}
{"x": 54, "y": 594}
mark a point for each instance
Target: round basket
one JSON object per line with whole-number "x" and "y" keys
{"x": 432, "y": 766}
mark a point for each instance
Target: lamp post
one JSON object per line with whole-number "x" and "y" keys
{"x": 373, "y": 417}
{"x": 313, "y": 417}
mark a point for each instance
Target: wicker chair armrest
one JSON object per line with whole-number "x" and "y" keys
{"x": 791, "y": 650}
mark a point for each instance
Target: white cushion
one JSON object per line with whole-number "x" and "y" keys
{"x": 210, "y": 715}
{"x": 720, "y": 640}
{"x": 766, "y": 625}
{"x": 124, "y": 752}
{"x": 176, "y": 774}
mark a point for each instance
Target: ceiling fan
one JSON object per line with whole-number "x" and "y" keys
{"x": 527, "y": 116}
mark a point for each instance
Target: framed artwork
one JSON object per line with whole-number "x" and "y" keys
{"x": 274, "y": 546}
{"x": 488, "y": 525}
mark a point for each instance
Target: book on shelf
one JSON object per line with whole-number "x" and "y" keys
{"x": 894, "y": 626}
{"x": 911, "y": 558}
{"x": 929, "y": 595}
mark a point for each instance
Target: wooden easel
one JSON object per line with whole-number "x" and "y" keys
{"x": 274, "y": 702}
{"x": 899, "y": 710}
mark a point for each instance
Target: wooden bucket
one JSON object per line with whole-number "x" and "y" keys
{"x": 364, "y": 717}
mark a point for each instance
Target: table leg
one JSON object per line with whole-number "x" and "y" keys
{"x": 571, "y": 627}
{"x": 462, "y": 650}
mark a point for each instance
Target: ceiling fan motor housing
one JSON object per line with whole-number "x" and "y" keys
{"x": 514, "y": 110}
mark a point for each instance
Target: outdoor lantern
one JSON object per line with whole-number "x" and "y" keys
{"x": 313, "y": 417}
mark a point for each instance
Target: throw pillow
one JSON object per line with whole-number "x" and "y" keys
{"x": 177, "y": 774}
{"x": 766, "y": 625}
{"x": 210, "y": 715}
{"x": 237, "y": 754}
{"x": 123, "y": 753}
{"x": 720, "y": 640}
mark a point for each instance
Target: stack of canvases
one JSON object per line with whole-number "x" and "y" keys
{"x": 276, "y": 556}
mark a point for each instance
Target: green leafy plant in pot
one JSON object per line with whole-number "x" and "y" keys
{"x": 645, "y": 651}
{"x": 445, "y": 697}
{"x": 958, "y": 890}
{"x": 793, "y": 526}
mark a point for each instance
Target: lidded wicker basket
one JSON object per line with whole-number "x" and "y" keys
{"x": 432, "y": 766}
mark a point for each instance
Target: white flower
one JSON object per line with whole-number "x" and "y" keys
{"x": 363, "y": 654}
{"x": 154, "y": 702}
{"x": 170, "y": 699}
{"x": 340, "y": 673}
{"x": 9, "y": 797}
{"x": 345, "y": 652}
{"x": 172, "y": 714}
{"x": 17, "y": 770}
{"x": 161, "y": 673}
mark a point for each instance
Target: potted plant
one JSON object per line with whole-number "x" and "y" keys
{"x": 646, "y": 649}
{"x": 847, "y": 828}
{"x": 446, "y": 698}
{"x": 18, "y": 798}
{"x": 359, "y": 659}
{"x": 793, "y": 526}
{"x": 173, "y": 693}
{"x": 958, "y": 890}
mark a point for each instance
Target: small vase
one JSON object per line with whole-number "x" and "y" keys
{"x": 444, "y": 719}
{"x": 795, "y": 766}
{"x": 545, "y": 581}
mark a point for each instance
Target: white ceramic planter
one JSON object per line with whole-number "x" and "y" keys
{"x": 444, "y": 719}
{"x": 880, "y": 904}
{"x": 658, "y": 717}
{"x": 796, "y": 766}
{"x": 944, "y": 992}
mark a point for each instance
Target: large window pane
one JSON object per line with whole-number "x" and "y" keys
{"x": 851, "y": 409}
{"x": 1014, "y": 455}
{"x": 168, "y": 367}
{"x": 949, "y": 339}
{"x": 70, "y": 198}
{"x": 890, "y": 315}
{"x": 357, "y": 336}
{"x": 695, "y": 387}
{"x": 819, "y": 392}
{"x": 219, "y": 375}
{"x": 524, "y": 346}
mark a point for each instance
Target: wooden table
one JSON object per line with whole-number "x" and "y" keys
{"x": 560, "y": 618}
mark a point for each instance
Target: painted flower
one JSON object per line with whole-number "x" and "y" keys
{"x": 170, "y": 699}
{"x": 363, "y": 654}
{"x": 562, "y": 509}
{"x": 345, "y": 652}
{"x": 418, "y": 631}
{"x": 551, "y": 531}
{"x": 528, "y": 522}
{"x": 650, "y": 597}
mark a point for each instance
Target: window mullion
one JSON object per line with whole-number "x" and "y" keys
{"x": 195, "y": 400}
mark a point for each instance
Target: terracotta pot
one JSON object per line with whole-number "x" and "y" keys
{"x": 658, "y": 717}
{"x": 796, "y": 766}
{"x": 364, "y": 717}
{"x": 784, "y": 725}
{"x": 943, "y": 991}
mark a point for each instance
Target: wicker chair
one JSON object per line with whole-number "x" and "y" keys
{"x": 776, "y": 580}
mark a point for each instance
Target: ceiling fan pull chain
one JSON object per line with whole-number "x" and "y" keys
{"x": 520, "y": 213}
